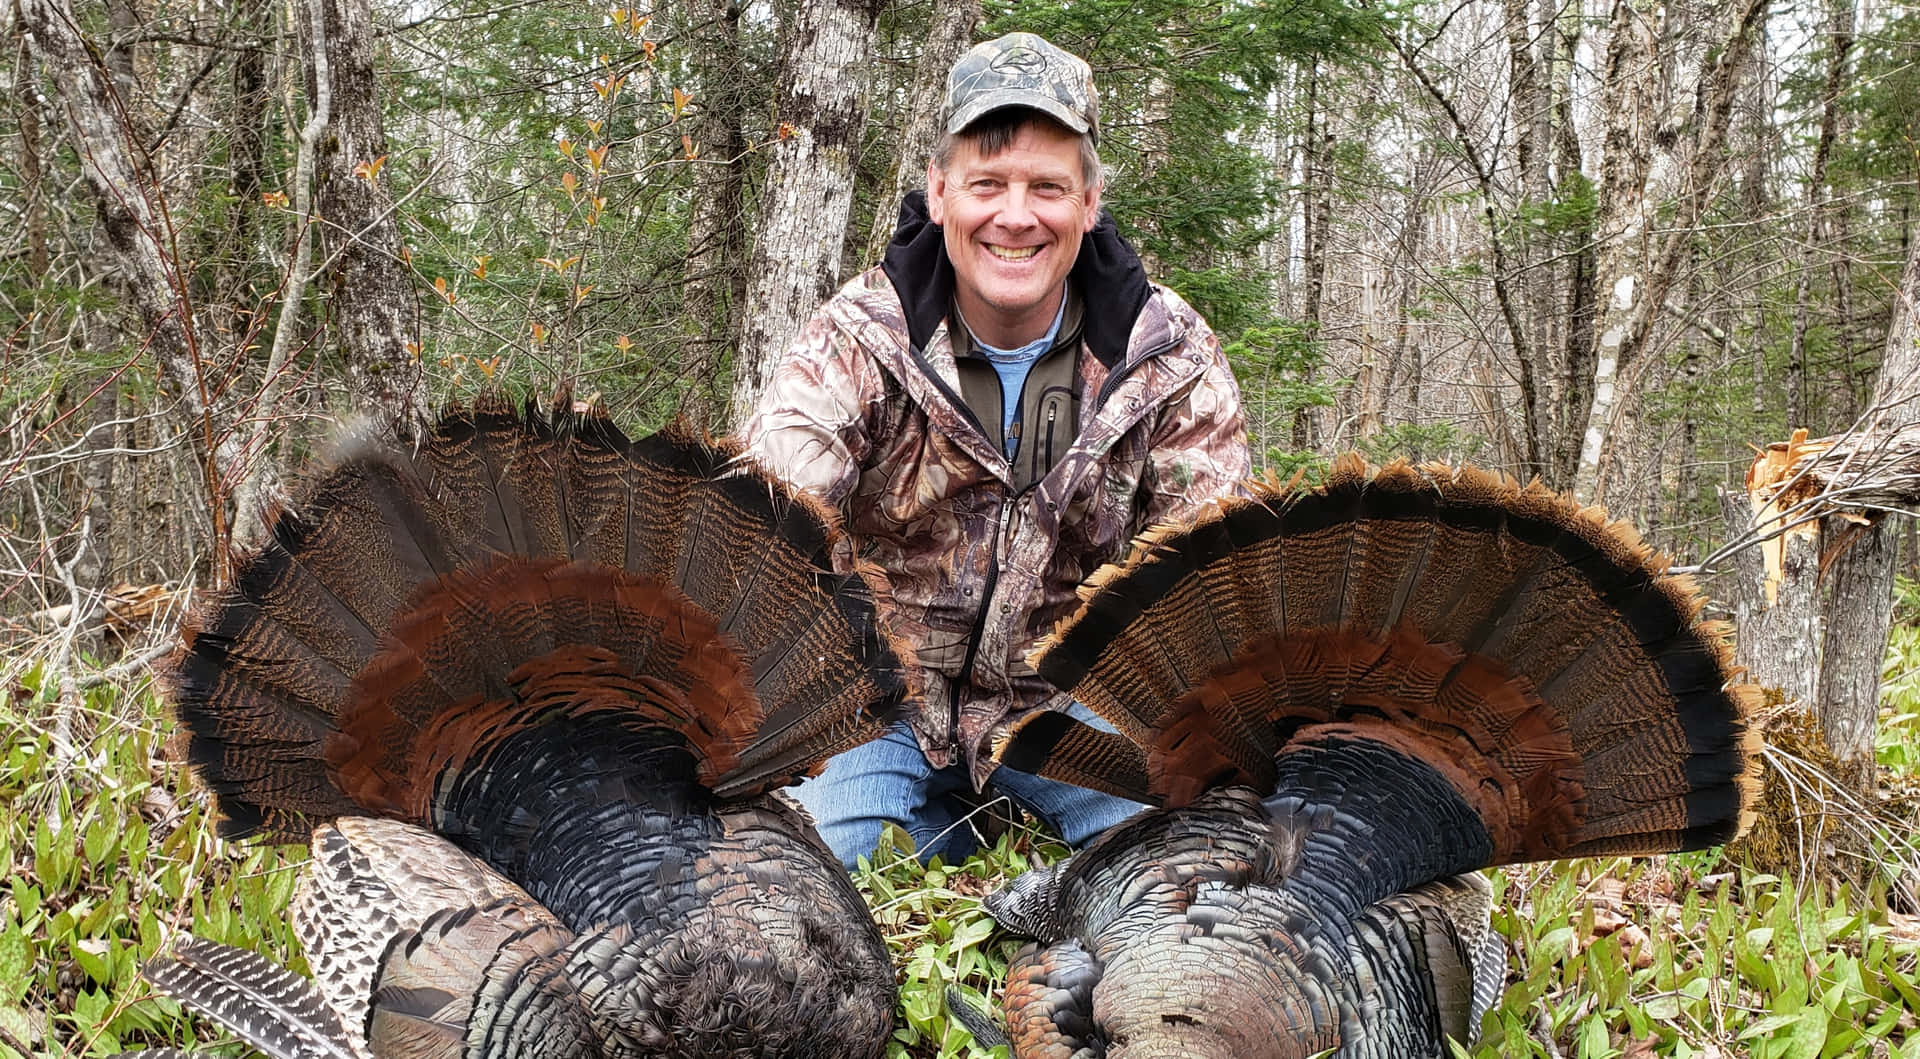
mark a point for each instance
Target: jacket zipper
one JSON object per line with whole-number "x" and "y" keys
{"x": 1051, "y": 408}
{"x": 973, "y": 643}
{"x": 993, "y": 557}
{"x": 980, "y": 623}
{"x": 1114, "y": 380}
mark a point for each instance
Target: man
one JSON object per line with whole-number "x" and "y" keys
{"x": 995, "y": 411}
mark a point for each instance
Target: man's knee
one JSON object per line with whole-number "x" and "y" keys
{"x": 859, "y": 792}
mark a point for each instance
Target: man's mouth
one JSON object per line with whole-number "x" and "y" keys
{"x": 1012, "y": 253}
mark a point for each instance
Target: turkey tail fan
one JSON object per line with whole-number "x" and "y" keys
{"x": 1518, "y": 659}
{"x": 268, "y": 1006}
{"x": 416, "y": 608}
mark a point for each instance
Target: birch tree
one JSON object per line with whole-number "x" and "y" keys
{"x": 801, "y": 223}
{"x": 1637, "y": 264}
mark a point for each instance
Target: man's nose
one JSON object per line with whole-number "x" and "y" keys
{"x": 1016, "y": 207}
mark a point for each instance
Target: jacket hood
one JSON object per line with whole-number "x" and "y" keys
{"x": 1108, "y": 274}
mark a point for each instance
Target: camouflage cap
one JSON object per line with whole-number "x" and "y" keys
{"x": 1022, "y": 70}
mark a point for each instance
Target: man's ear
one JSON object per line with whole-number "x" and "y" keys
{"x": 1093, "y": 208}
{"x": 936, "y": 193}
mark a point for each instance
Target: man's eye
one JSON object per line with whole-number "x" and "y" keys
{"x": 1049, "y": 190}
{"x": 985, "y": 185}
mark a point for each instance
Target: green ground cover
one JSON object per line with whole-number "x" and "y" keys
{"x": 108, "y": 849}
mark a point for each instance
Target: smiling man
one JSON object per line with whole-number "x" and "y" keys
{"x": 995, "y": 411}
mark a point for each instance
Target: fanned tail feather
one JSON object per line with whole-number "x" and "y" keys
{"x": 1538, "y": 656}
{"x": 515, "y": 555}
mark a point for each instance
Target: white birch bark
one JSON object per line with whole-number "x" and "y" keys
{"x": 804, "y": 209}
{"x": 1636, "y": 268}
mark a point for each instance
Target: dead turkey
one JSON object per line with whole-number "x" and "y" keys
{"x": 529, "y": 690}
{"x": 1346, "y": 698}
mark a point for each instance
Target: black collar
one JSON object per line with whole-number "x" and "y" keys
{"x": 1112, "y": 283}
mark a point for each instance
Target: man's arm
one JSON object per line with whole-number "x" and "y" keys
{"x": 1199, "y": 447}
{"x": 810, "y": 427}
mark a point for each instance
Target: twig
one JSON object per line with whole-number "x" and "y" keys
{"x": 127, "y": 666}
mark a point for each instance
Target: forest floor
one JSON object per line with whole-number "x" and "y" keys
{"x": 109, "y": 849}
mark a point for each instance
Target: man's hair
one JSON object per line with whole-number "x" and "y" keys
{"x": 994, "y": 133}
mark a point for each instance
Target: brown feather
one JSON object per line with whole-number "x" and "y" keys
{"x": 1514, "y": 631}
{"x": 574, "y": 666}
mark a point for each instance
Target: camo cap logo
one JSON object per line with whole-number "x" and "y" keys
{"x": 1022, "y": 70}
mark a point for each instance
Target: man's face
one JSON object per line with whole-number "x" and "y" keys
{"x": 1013, "y": 224}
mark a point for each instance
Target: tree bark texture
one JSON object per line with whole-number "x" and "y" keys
{"x": 1631, "y": 110}
{"x": 1859, "y": 614}
{"x": 1528, "y": 62}
{"x": 1776, "y": 607}
{"x": 1635, "y": 269}
{"x": 948, "y": 38}
{"x": 717, "y": 228}
{"x": 33, "y": 198}
{"x": 1861, "y": 611}
{"x": 246, "y": 128}
{"x": 371, "y": 296}
{"x": 1575, "y": 303}
{"x": 134, "y": 220}
{"x": 1840, "y": 40}
{"x": 1317, "y": 206}
{"x": 802, "y": 219}
{"x": 1839, "y": 490}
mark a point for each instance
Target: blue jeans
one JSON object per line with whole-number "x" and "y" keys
{"x": 889, "y": 780}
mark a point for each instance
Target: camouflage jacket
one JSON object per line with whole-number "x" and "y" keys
{"x": 865, "y": 410}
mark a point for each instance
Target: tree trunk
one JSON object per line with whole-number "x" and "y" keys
{"x": 33, "y": 198}
{"x": 1573, "y": 388}
{"x": 1862, "y": 607}
{"x": 123, "y": 22}
{"x": 1636, "y": 269}
{"x": 1840, "y": 40}
{"x": 371, "y": 295}
{"x": 954, "y": 24}
{"x": 246, "y": 163}
{"x": 1775, "y": 607}
{"x": 716, "y": 233}
{"x": 1318, "y": 207}
{"x": 1631, "y": 111}
{"x": 140, "y": 233}
{"x": 1529, "y": 60}
{"x": 1839, "y": 490}
{"x": 1283, "y": 149}
{"x": 802, "y": 221}
{"x": 1406, "y": 280}
{"x": 1859, "y": 613}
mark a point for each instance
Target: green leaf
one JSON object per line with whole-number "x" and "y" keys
{"x": 1765, "y": 1027}
{"x": 1809, "y": 1034}
{"x": 16, "y": 961}
{"x": 1594, "y": 1042}
{"x": 94, "y": 957}
{"x": 90, "y": 1010}
{"x": 19, "y": 1026}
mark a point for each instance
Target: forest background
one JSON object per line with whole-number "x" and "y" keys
{"x": 1612, "y": 244}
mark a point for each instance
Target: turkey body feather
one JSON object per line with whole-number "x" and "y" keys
{"x": 1346, "y": 700}
{"x": 530, "y": 690}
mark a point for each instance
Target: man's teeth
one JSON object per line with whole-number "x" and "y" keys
{"x": 1012, "y": 253}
